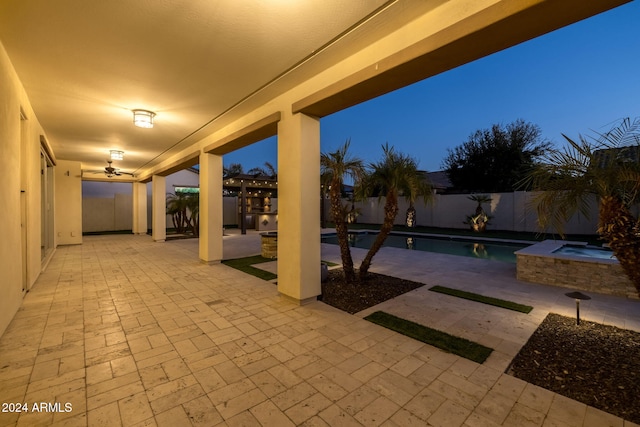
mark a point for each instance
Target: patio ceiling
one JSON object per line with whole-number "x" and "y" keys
{"x": 86, "y": 64}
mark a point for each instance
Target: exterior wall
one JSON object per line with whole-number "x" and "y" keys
{"x": 68, "y": 190}
{"x": 20, "y": 216}
{"x": 509, "y": 211}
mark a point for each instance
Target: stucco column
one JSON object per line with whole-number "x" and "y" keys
{"x": 139, "y": 208}
{"x": 210, "y": 244}
{"x": 159, "y": 208}
{"x": 299, "y": 207}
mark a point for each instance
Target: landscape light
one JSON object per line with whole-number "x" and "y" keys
{"x": 578, "y": 296}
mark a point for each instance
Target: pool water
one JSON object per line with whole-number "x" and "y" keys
{"x": 585, "y": 251}
{"x": 445, "y": 245}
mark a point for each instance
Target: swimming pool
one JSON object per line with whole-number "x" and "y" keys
{"x": 444, "y": 245}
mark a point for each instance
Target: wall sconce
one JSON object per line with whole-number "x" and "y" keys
{"x": 116, "y": 155}
{"x": 143, "y": 118}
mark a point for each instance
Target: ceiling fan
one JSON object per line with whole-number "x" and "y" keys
{"x": 110, "y": 171}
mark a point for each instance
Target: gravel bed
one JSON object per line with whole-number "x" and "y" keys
{"x": 592, "y": 363}
{"x": 356, "y": 297}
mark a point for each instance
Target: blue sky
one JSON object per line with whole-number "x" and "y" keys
{"x": 574, "y": 81}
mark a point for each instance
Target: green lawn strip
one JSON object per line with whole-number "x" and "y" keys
{"x": 245, "y": 265}
{"x": 330, "y": 264}
{"x": 456, "y": 345}
{"x": 483, "y": 299}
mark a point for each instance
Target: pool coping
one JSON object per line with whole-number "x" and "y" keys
{"x": 546, "y": 249}
{"x": 443, "y": 236}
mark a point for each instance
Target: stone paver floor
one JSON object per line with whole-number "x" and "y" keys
{"x": 125, "y": 331}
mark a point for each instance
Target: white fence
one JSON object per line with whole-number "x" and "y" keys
{"x": 107, "y": 213}
{"x": 116, "y": 214}
{"x": 508, "y": 211}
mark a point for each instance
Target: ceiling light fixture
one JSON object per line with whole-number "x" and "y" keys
{"x": 143, "y": 118}
{"x": 116, "y": 155}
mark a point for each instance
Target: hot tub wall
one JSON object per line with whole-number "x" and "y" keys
{"x": 603, "y": 276}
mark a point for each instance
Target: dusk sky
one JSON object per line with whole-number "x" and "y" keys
{"x": 576, "y": 80}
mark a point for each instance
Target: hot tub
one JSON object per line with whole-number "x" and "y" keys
{"x": 585, "y": 251}
{"x": 573, "y": 265}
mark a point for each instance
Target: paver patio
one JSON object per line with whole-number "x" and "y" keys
{"x": 136, "y": 333}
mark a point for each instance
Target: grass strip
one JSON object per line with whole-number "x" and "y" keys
{"x": 330, "y": 264}
{"x": 245, "y": 265}
{"x": 456, "y": 345}
{"x": 483, "y": 299}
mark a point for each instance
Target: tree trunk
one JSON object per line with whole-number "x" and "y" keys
{"x": 621, "y": 230}
{"x": 195, "y": 225}
{"x": 339, "y": 218}
{"x": 390, "y": 213}
{"x": 173, "y": 218}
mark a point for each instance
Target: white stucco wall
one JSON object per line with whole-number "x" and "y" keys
{"x": 107, "y": 206}
{"x": 509, "y": 211}
{"x": 19, "y": 192}
{"x": 68, "y": 190}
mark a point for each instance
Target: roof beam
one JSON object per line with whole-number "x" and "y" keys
{"x": 257, "y": 131}
{"x": 495, "y": 28}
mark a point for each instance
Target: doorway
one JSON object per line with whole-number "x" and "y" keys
{"x": 46, "y": 207}
{"x": 23, "y": 201}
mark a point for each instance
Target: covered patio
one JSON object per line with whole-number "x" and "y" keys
{"x": 129, "y": 332}
{"x": 285, "y": 67}
{"x": 137, "y": 331}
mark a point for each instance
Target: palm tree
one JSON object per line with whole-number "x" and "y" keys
{"x": 232, "y": 170}
{"x": 184, "y": 209}
{"x": 193, "y": 206}
{"x": 395, "y": 175}
{"x": 177, "y": 208}
{"x": 607, "y": 166}
{"x": 335, "y": 167}
{"x": 267, "y": 170}
{"x": 479, "y": 220}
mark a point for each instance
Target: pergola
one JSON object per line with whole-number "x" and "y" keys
{"x": 257, "y": 185}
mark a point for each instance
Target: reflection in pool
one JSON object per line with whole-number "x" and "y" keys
{"x": 445, "y": 245}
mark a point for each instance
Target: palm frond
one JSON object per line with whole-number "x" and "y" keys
{"x": 605, "y": 165}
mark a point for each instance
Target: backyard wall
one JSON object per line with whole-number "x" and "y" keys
{"x": 509, "y": 211}
{"x": 115, "y": 212}
{"x": 230, "y": 211}
{"x": 107, "y": 213}
{"x": 108, "y": 205}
